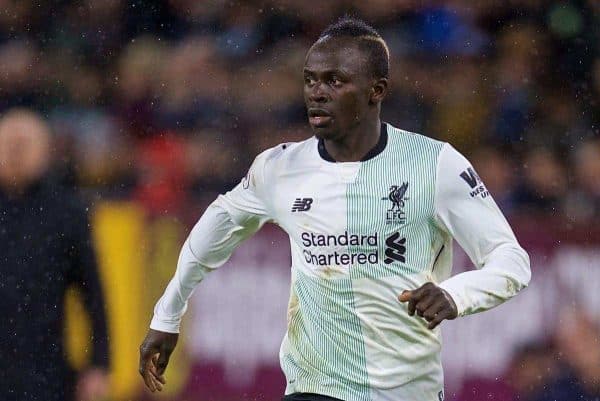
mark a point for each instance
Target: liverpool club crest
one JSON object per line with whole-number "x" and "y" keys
{"x": 397, "y": 195}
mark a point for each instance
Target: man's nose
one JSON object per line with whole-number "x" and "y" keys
{"x": 317, "y": 94}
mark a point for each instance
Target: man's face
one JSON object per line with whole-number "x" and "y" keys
{"x": 337, "y": 87}
{"x": 24, "y": 150}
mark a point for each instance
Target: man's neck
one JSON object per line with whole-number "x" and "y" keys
{"x": 356, "y": 144}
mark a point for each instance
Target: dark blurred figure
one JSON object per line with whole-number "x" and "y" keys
{"x": 568, "y": 369}
{"x": 578, "y": 346}
{"x": 533, "y": 368}
{"x": 45, "y": 248}
{"x": 526, "y": 378}
{"x": 544, "y": 182}
{"x": 497, "y": 170}
{"x": 162, "y": 178}
{"x": 484, "y": 388}
{"x": 583, "y": 202}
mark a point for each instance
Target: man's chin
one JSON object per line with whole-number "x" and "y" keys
{"x": 323, "y": 132}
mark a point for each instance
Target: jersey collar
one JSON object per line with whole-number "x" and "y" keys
{"x": 377, "y": 149}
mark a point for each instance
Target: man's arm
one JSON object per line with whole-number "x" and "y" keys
{"x": 467, "y": 211}
{"x": 228, "y": 221}
{"x": 93, "y": 382}
{"x": 208, "y": 246}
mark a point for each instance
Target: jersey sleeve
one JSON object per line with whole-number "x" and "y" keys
{"x": 247, "y": 203}
{"x": 465, "y": 209}
{"x": 228, "y": 221}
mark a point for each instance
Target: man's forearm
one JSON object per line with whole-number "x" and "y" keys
{"x": 504, "y": 274}
{"x": 170, "y": 308}
{"x": 209, "y": 245}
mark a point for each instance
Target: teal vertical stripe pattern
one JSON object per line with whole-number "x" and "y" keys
{"x": 324, "y": 351}
{"x": 408, "y": 158}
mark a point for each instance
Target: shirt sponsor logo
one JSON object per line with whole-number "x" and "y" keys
{"x": 367, "y": 249}
{"x": 475, "y": 183}
{"x": 344, "y": 239}
{"x": 396, "y": 249}
{"x": 302, "y": 204}
{"x": 340, "y": 257}
{"x": 397, "y": 195}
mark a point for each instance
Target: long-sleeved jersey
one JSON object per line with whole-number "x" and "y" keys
{"x": 360, "y": 234}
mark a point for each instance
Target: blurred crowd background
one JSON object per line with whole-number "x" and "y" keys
{"x": 126, "y": 84}
{"x": 163, "y": 104}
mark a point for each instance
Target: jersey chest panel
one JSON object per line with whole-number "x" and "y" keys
{"x": 337, "y": 223}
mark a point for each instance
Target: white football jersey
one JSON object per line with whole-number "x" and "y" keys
{"x": 360, "y": 234}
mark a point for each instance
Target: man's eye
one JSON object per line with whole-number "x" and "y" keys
{"x": 335, "y": 81}
{"x": 308, "y": 80}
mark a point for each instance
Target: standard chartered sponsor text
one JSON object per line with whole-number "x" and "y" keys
{"x": 366, "y": 243}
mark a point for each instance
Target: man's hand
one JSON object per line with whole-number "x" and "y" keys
{"x": 154, "y": 357}
{"x": 93, "y": 385}
{"x": 431, "y": 302}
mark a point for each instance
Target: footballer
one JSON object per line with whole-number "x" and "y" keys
{"x": 371, "y": 211}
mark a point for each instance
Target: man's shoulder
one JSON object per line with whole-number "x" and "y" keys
{"x": 416, "y": 148}
{"x": 401, "y": 135}
{"x": 286, "y": 151}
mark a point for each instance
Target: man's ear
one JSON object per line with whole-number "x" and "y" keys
{"x": 379, "y": 90}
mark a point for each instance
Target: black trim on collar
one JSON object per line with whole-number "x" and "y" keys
{"x": 377, "y": 149}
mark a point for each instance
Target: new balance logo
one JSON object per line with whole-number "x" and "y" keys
{"x": 302, "y": 204}
{"x": 396, "y": 248}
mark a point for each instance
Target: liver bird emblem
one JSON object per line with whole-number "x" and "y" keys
{"x": 397, "y": 195}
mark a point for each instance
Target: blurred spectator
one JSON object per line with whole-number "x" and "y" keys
{"x": 560, "y": 125}
{"x": 194, "y": 86}
{"x": 578, "y": 346}
{"x": 583, "y": 202}
{"x": 447, "y": 30}
{"x": 499, "y": 175}
{"x": 544, "y": 182}
{"x": 520, "y": 51}
{"x": 135, "y": 85}
{"x": 461, "y": 109}
{"x": 596, "y": 76}
{"x": 163, "y": 179}
{"x": 568, "y": 369}
{"x": 533, "y": 368}
{"x": 18, "y": 74}
{"x": 241, "y": 31}
{"x": 482, "y": 388}
{"x": 520, "y": 76}
{"x": 573, "y": 27}
{"x": 46, "y": 248}
{"x": 211, "y": 162}
{"x": 89, "y": 29}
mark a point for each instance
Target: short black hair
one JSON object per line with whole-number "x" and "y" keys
{"x": 370, "y": 41}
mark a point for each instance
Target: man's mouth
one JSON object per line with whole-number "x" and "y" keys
{"x": 319, "y": 117}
